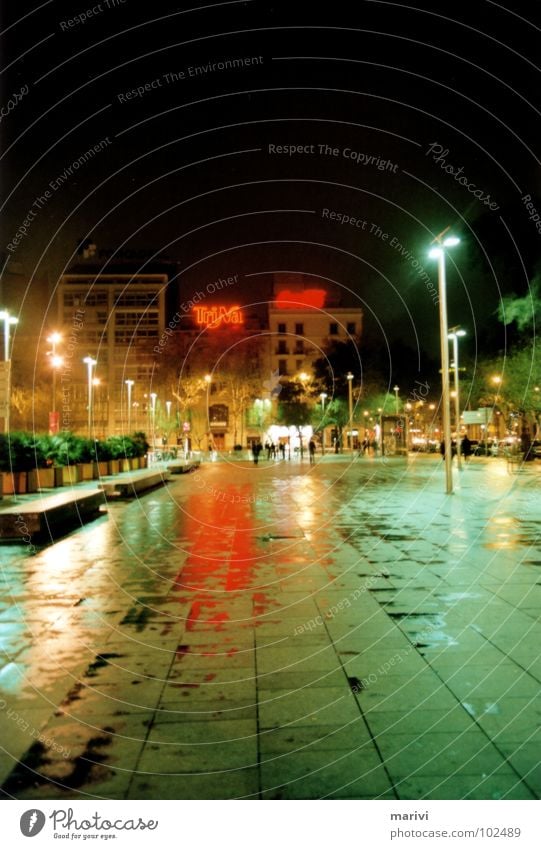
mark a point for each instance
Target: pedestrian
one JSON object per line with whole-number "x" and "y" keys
{"x": 268, "y": 449}
{"x": 257, "y": 448}
{"x": 465, "y": 447}
{"x": 312, "y": 450}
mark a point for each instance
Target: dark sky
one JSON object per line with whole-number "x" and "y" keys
{"x": 382, "y": 98}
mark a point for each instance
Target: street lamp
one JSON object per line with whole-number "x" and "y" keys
{"x": 396, "y": 390}
{"x": 56, "y": 362}
{"x": 8, "y": 321}
{"x": 153, "y": 397}
{"x": 349, "y": 378}
{"x": 129, "y": 387}
{"x": 6, "y": 371}
{"x": 323, "y": 396}
{"x": 438, "y": 252}
{"x": 90, "y": 363}
{"x": 454, "y": 334}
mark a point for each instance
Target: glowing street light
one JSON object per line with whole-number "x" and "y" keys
{"x": 153, "y": 397}
{"x": 129, "y": 387}
{"x": 90, "y": 363}
{"x": 56, "y": 362}
{"x": 349, "y": 378}
{"x": 454, "y": 334}
{"x": 323, "y": 396}
{"x": 396, "y": 390}
{"x": 9, "y": 321}
{"x": 438, "y": 252}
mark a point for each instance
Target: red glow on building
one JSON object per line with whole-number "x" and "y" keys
{"x": 290, "y": 300}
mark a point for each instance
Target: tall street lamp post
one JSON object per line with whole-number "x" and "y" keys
{"x": 454, "y": 333}
{"x": 56, "y": 362}
{"x": 396, "y": 390}
{"x": 153, "y": 397}
{"x": 323, "y": 396}
{"x": 90, "y": 363}
{"x": 8, "y": 320}
{"x": 129, "y": 387}
{"x": 349, "y": 378}
{"x": 438, "y": 252}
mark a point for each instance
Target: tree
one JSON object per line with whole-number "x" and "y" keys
{"x": 293, "y": 410}
{"x": 331, "y": 369}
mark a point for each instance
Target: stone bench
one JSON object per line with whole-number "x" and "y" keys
{"x": 40, "y": 517}
{"x": 181, "y": 467}
{"x": 134, "y": 483}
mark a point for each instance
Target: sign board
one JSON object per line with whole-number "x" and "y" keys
{"x": 212, "y": 317}
{"x": 482, "y": 416}
{"x": 54, "y": 422}
{"x": 394, "y": 436}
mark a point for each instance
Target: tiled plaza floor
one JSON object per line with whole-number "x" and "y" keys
{"x": 343, "y": 630}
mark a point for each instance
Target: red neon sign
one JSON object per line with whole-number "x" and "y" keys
{"x": 215, "y": 316}
{"x": 289, "y": 300}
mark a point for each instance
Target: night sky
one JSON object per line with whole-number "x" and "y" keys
{"x": 236, "y": 138}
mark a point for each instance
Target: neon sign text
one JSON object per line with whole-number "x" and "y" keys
{"x": 215, "y": 316}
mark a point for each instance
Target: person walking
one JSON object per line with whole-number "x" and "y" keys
{"x": 465, "y": 447}
{"x": 257, "y": 448}
{"x": 312, "y": 450}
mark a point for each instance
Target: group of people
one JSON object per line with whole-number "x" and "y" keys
{"x": 465, "y": 447}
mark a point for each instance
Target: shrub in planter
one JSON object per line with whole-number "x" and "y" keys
{"x": 62, "y": 449}
{"x": 20, "y": 454}
{"x": 140, "y": 442}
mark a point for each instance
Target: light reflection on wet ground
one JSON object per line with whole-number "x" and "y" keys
{"x": 299, "y": 628}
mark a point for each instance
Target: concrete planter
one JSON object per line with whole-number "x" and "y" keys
{"x": 45, "y": 478}
{"x": 67, "y": 475}
{"x": 102, "y": 468}
{"x": 134, "y": 464}
{"x": 16, "y": 483}
{"x": 86, "y": 471}
{"x": 125, "y": 465}
{"x": 114, "y": 466}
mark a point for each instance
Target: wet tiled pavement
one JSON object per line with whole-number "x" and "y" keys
{"x": 286, "y": 631}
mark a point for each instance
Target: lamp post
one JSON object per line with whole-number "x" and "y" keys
{"x": 90, "y": 363}
{"x": 438, "y": 252}
{"x": 454, "y": 334}
{"x": 153, "y": 397}
{"x": 396, "y": 390}
{"x": 323, "y": 396}
{"x": 56, "y": 362}
{"x": 8, "y": 320}
{"x": 129, "y": 387}
{"x": 168, "y": 409}
{"x": 349, "y": 378}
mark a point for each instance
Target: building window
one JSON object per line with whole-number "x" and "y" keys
{"x": 282, "y": 367}
{"x": 333, "y": 328}
{"x": 298, "y": 365}
{"x": 281, "y": 328}
{"x": 282, "y": 349}
{"x": 299, "y": 346}
{"x": 350, "y": 326}
{"x": 218, "y": 415}
{"x": 299, "y": 329}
